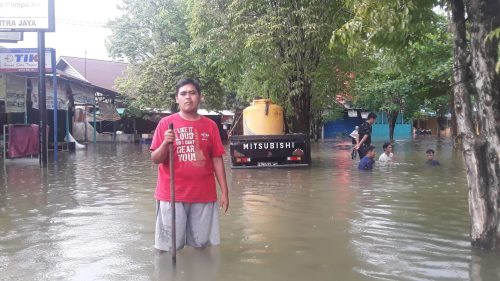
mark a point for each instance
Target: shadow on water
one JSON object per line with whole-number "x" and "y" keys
{"x": 91, "y": 217}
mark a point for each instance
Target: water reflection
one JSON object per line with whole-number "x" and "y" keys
{"x": 92, "y": 218}
{"x": 192, "y": 264}
{"x": 484, "y": 266}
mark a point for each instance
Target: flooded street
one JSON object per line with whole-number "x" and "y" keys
{"x": 92, "y": 218}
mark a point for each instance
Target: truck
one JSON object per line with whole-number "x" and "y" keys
{"x": 266, "y": 147}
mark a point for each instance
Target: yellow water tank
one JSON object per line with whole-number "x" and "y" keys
{"x": 263, "y": 118}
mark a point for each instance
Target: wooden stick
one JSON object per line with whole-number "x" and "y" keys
{"x": 172, "y": 196}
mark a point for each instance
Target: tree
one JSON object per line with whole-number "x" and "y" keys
{"x": 268, "y": 48}
{"x": 385, "y": 92}
{"x": 145, "y": 28}
{"x": 333, "y": 87}
{"x": 475, "y": 85}
{"x": 402, "y": 80}
{"x": 152, "y": 82}
{"x": 153, "y": 36}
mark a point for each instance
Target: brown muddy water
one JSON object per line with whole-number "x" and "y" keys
{"x": 91, "y": 217}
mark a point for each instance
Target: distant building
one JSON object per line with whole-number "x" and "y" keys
{"x": 101, "y": 74}
{"x": 343, "y": 126}
{"x": 434, "y": 125}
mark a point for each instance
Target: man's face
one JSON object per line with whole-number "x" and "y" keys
{"x": 371, "y": 153}
{"x": 188, "y": 98}
{"x": 430, "y": 156}
{"x": 388, "y": 150}
{"x": 371, "y": 121}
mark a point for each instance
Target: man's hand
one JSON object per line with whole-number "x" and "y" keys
{"x": 224, "y": 202}
{"x": 169, "y": 136}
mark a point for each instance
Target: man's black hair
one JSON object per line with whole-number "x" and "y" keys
{"x": 430, "y": 151}
{"x": 186, "y": 81}
{"x": 386, "y": 144}
{"x": 370, "y": 148}
{"x": 372, "y": 115}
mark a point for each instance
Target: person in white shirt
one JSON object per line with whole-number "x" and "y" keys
{"x": 355, "y": 138}
{"x": 387, "y": 156}
{"x": 354, "y": 135}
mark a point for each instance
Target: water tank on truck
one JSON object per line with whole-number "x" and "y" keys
{"x": 263, "y": 118}
{"x": 264, "y": 142}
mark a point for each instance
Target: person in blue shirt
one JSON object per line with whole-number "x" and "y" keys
{"x": 430, "y": 158}
{"x": 367, "y": 162}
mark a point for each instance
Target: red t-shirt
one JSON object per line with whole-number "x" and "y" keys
{"x": 196, "y": 143}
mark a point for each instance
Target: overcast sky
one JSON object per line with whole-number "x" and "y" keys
{"x": 79, "y": 28}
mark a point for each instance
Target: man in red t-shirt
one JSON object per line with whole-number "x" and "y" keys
{"x": 197, "y": 155}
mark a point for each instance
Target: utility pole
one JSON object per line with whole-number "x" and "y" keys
{"x": 42, "y": 99}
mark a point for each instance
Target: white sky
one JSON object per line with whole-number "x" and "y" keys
{"x": 79, "y": 28}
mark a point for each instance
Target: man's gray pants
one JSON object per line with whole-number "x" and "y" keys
{"x": 197, "y": 225}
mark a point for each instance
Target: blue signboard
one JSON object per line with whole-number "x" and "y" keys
{"x": 23, "y": 60}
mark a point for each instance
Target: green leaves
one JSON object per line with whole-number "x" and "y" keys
{"x": 288, "y": 51}
{"x": 145, "y": 27}
{"x": 495, "y": 35}
{"x": 407, "y": 79}
{"x": 269, "y": 49}
{"x": 410, "y": 51}
{"x": 387, "y": 23}
{"x": 153, "y": 36}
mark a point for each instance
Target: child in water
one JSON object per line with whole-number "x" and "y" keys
{"x": 430, "y": 158}
{"x": 387, "y": 156}
{"x": 367, "y": 162}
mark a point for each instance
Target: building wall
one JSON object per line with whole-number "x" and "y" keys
{"x": 431, "y": 123}
{"x": 380, "y": 130}
{"x": 341, "y": 127}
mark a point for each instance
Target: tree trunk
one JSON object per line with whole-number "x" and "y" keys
{"x": 317, "y": 120}
{"x": 319, "y": 129}
{"x": 237, "y": 126}
{"x": 440, "y": 120}
{"x": 481, "y": 152}
{"x": 392, "y": 117}
{"x": 301, "y": 104}
{"x": 486, "y": 17}
{"x": 454, "y": 130}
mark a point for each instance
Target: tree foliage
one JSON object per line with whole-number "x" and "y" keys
{"x": 145, "y": 28}
{"x": 402, "y": 80}
{"x": 495, "y": 35}
{"x": 388, "y": 23}
{"x": 269, "y": 48}
{"x": 399, "y": 79}
{"x": 153, "y": 36}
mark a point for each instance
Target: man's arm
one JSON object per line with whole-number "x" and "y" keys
{"x": 160, "y": 155}
{"x": 361, "y": 141}
{"x": 220, "y": 174}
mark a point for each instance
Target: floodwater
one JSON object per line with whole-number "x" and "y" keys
{"x": 91, "y": 217}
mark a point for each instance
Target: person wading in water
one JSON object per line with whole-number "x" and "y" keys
{"x": 198, "y": 163}
{"x": 365, "y": 135}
